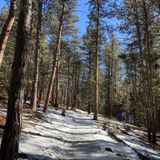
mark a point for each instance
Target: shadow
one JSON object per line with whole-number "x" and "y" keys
{"x": 88, "y": 150}
{"x": 39, "y": 117}
{"x": 33, "y": 157}
{"x": 1, "y": 132}
{"x": 40, "y": 135}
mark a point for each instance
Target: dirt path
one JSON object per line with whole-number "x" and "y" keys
{"x": 83, "y": 140}
{"x": 75, "y": 136}
{"x": 89, "y": 141}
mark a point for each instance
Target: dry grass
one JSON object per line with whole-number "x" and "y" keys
{"x": 3, "y": 121}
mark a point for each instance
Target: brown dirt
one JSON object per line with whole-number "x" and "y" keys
{"x": 3, "y": 121}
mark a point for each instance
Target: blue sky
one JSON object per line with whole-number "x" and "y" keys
{"x": 2, "y": 3}
{"x": 82, "y": 12}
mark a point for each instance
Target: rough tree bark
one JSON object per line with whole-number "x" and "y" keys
{"x": 10, "y": 140}
{"x": 7, "y": 29}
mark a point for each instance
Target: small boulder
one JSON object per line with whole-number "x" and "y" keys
{"x": 109, "y": 149}
{"x": 63, "y": 113}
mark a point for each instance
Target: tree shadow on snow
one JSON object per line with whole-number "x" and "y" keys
{"x": 24, "y": 156}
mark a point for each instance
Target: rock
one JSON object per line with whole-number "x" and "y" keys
{"x": 63, "y": 112}
{"x": 109, "y": 149}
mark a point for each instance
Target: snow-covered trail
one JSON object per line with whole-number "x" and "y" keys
{"x": 75, "y": 136}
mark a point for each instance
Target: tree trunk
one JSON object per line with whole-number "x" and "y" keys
{"x": 151, "y": 96}
{"x": 77, "y": 79}
{"x": 53, "y": 94}
{"x": 37, "y": 52}
{"x": 134, "y": 85}
{"x": 7, "y": 29}
{"x": 96, "y": 79}
{"x": 56, "y": 103}
{"x": 112, "y": 80}
{"x": 62, "y": 96}
{"x": 56, "y": 58}
{"x": 68, "y": 82}
{"x": 109, "y": 85}
{"x": 11, "y": 135}
{"x": 144, "y": 71}
{"x": 40, "y": 95}
{"x": 90, "y": 90}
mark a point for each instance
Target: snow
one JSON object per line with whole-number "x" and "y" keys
{"x": 134, "y": 138}
{"x": 75, "y": 136}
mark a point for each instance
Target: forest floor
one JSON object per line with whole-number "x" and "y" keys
{"x": 77, "y": 136}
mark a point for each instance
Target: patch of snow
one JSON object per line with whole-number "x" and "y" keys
{"x": 75, "y": 136}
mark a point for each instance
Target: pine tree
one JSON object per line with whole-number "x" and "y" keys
{"x": 11, "y": 135}
{"x": 57, "y": 54}
{"x": 96, "y": 15}
{"x": 7, "y": 28}
{"x": 66, "y": 28}
{"x": 111, "y": 76}
{"x": 37, "y": 55}
{"x": 142, "y": 28}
